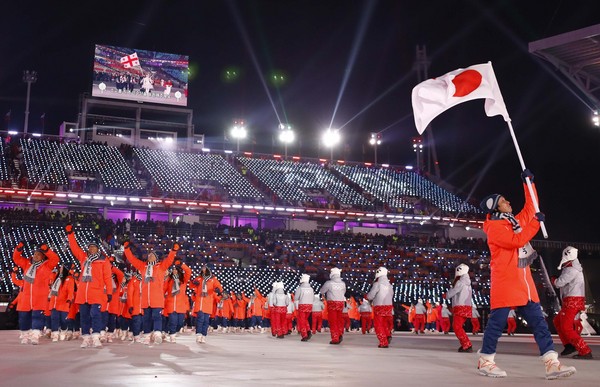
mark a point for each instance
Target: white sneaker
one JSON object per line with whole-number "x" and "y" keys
{"x": 62, "y": 335}
{"x": 109, "y": 337}
{"x": 96, "y": 341}
{"x": 129, "y": 336}
{"x": 157, "y": 336}
{"x": 24, "y": 336}
{"x": 69, "y": 335}
{"x": 103, "y": 336}
{"x": 554, "y": 369}
{"x": 76, "y": 334}
{"x": 487, "y": 367}
{"x": 87, "y": 341}
{"x": 35, "y": 336}
{"x": 172, "y": 338}
{"x": 199, "y": 338}
{"x": 54, "y": 336}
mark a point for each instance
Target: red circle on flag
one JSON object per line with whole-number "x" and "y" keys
{"x": 466, "y": 82}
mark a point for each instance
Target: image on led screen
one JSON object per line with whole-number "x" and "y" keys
{"x": 140, "y": 75}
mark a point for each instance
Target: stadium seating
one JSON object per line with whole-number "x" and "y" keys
{"x": 179, "y": 172}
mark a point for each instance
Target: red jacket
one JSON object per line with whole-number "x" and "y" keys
{"x": 510, "y": 285}
{"x": 178, "y": 303}
{"x": 35, "y": 295}
{"x": 93, "y": 292}
{"x": 66, "y": 295}
{"x": 206, "y": 302}
{"x": 114, "y": 306}
{"x": 153, "y": 295}
{"x": 134, "y": 291}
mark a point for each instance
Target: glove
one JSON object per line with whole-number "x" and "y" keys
{"x": 444, "y": 296}
{"x": 195, "y": 282}
{"x": 131, "y": 310}
{"x": 20, "y": 246}
{"x": 69, "y": 229}
{"x": 218, "y": 291}
{"x": 44, "y": 247}
{"x": 126, "y": 245}
{"x": 15, "y": 269}
{"x": 527, "y": 174}
{"x": 176, "y": 246}
{"x": 109, "y": 297}
{"x": 553, "y": 279}
{"x": 178, "y": 262}
{"x": 540, "y": 216}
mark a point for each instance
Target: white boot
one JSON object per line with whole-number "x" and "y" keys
{"x": 487, "y": 367}
{"x": 199, "y": 338}
{"x": 69, "y": 335}
{"x": 172, "y": 338}
{"x": 87, "y": 341}
{"x": 76, "y": 334}
{"x": 130, "y": 336}
{"x": 109, "y": 337}
{"x": 62, "y": 335}
{"x": 24, "y": 336}
{"x": 96, "y": 342}
{"x": 102, "y": 336}
{"x": 157, "y": 336}
{"x": 54, "y": 336}
{"x": 35, "y": 336}
{"x": 554, "y": 369}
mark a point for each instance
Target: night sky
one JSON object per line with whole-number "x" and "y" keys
{"x": 348, "y": 64}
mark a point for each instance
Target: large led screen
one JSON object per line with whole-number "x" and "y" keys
{"x": 140, "y": 75}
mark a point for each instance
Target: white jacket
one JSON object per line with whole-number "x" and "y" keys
{"x": 381, "y": 292}
{"x": 461, "y": 293}
{"x": 571, "y": 282}
{"x": 334, "y": 289}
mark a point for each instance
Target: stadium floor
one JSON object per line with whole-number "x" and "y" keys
{"x": 247, "y": 359}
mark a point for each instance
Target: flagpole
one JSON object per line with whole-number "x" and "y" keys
{"x": 527, "y": 180}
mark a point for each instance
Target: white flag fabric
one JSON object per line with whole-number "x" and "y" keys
{"x": 432, "y": 97}
{"x": 130, "y": 60}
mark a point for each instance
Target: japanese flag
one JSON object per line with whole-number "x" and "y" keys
{"x": 130, "y": 60}
{"x": 434, "y": 96}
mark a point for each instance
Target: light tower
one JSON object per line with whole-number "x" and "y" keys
{"x": 29, "y": 77}
{"x": 238, "y": 131}
{"x": 286, "y": 136}
{"x": 375, "y": 140}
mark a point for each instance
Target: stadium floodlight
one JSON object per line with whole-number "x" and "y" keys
{"x": 286, "y": 136}
{"x": 596, "y": 118}
{"x": 330, "y": 138}
{"x": 29, "y": 77}
{"x": 238, "y": 131}
{"x": 375, "y": 140}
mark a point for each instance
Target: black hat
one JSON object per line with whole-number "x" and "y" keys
{"x": 490, "y": 203}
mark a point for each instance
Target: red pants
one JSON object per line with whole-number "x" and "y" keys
{"x": 304, "y": 310}
{"x": 476, "y": 325}
{"x": 461, "y": 314}
{"x": 278, "y": 322}
{"x": 289, "y": 322}
{"x": 317, "y": 321}
{"x": 366, "y": 321}
{"x": 511, "y": 325}
{"x": 346, "y": 321}
{"x": 419, "y": 323}
{"x": 564, "y": 324}
{"x": 578, "y": 326}
{"x": 445, "y": 324}
{"x": 384, "y": 323}
{"x": 336, "y": 319}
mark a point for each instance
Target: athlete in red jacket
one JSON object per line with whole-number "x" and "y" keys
{"x": 37, "y": 277}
